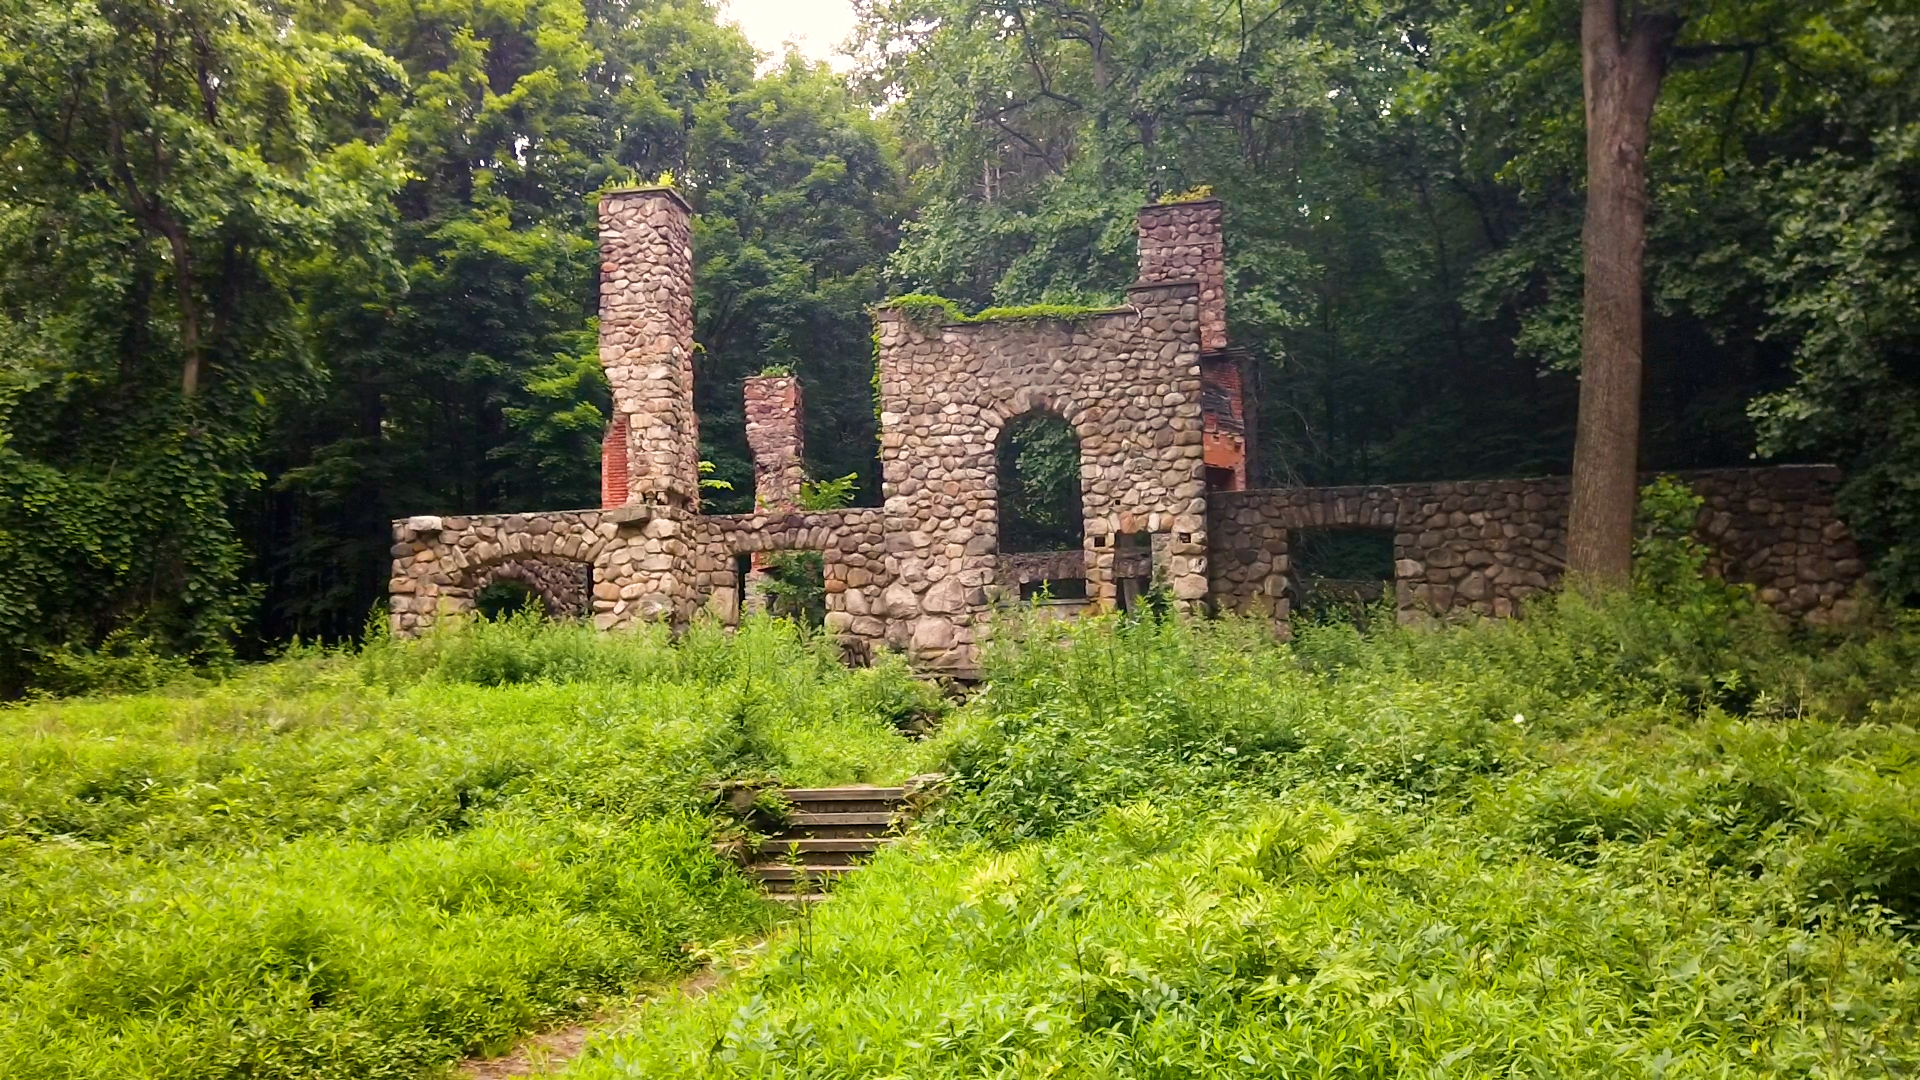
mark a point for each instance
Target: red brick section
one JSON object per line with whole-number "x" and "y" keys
{"x": 1223, "y": 420}
{"x": 613, "y": 464}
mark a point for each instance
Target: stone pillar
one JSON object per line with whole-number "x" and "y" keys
{"x": 646, "y": 341}
{"x": 1184, "y": 241}
{"x": 775, "y": 437}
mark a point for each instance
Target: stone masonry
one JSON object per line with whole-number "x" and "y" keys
{"x": 775, "y": 437}
{"x": 646, "y": 340}
{"x": 1153, "y": 391}
{"x": 1484, "y": 547}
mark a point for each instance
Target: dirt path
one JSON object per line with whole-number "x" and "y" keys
{"x": 548, "y": 1052}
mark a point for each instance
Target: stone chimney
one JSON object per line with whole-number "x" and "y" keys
{"x": 1183, "y": 241}
{"x": 646, "y": 346}
{"x": 775, "y": 437}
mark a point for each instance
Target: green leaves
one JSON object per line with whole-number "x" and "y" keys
{"x": 171, "y": 172}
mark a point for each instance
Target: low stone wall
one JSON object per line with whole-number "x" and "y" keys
{"x": 1484, "y": 547}
{"x": 853, "y": 549}
{"x": 629, "y": 555}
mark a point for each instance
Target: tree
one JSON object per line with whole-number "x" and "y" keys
{"x": 1622, "y": 61}
{"x": 170, "y": 170}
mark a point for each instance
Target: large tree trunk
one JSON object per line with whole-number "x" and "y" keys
{"x": 1622, "y": 70}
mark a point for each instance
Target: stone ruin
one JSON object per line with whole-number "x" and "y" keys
{"x": 1153, "y": 391}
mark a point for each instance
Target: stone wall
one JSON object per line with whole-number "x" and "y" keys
{"x": 1186, "y": 242}
{"x": 1127, "y": 381}
{"x": 563, "y": 585}
{"x": 852, "y": 544}
{"x": 776, "y": 438}
{"x": 630, "y": 554}
{"x": 1484, "y": 547}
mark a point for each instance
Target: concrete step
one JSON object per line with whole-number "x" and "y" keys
{"x": 817, "y": 873}
{"x": 827, "y": 835}
{"x": 828, "y": 851}
{"x": 848, "y": 800}
{"x": 871, "y": 823}
{"x": 831, "y": 794}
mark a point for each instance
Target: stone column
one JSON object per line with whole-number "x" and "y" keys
{"x": 1184, "y": 241}
{"x": 646, "y": 341}
{"x": 774, "y": 435}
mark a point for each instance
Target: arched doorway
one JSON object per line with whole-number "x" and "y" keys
{"x": 1041, "y": 522}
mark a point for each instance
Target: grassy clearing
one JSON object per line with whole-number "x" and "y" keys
{"x": 1618, "y": 839}
{"x": 366, "y": 865}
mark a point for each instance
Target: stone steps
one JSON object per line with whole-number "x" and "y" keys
{"x": 828, "y": 834}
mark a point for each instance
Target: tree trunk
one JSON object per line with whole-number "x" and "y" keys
{"x": 1622, "y": 76}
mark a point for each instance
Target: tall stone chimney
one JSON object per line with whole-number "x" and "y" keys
{"x": 775, "y": 436}
{"x": 1183, "y": 241}
{"x": 646, "y": 346}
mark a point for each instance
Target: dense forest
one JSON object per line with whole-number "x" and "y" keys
{"x": 272, "y": 274}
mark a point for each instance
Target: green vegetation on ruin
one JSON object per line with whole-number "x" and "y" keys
{"x": 927, "y": 310}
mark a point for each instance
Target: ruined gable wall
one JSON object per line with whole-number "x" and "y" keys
{"x": 1128, "y": 382}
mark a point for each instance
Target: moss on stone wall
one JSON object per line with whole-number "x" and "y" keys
{"x": 927, "y": 310}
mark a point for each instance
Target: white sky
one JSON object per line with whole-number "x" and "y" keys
{"x": 816, "y": 26}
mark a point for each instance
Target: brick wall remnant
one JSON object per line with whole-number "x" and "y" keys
{"x": 776, "y": 437}
{"x": 1224, "y": 428}
{"x": 613, "y": 463}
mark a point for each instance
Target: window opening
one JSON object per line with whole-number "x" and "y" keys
{"x": 1340, "y": 574}
{"x": 506, "y": 598}
{"x": 1039, "y": 474}
{"x": 1069, "y": 589}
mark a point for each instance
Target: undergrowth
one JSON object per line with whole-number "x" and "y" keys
{"x": 1656, "y": 835}
{"x": 366, "y": 864}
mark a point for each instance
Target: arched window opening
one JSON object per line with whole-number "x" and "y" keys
{"x": 506, "y": 597}
{"x": 1039, "y": 472}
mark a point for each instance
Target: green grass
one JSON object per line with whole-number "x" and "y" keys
{"x": 1617, "y": 839}
{"x": 367, "y": 865}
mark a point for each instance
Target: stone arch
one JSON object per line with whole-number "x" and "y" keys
{"x": 997, "y": 414}
{"x": 564, "y": 585}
